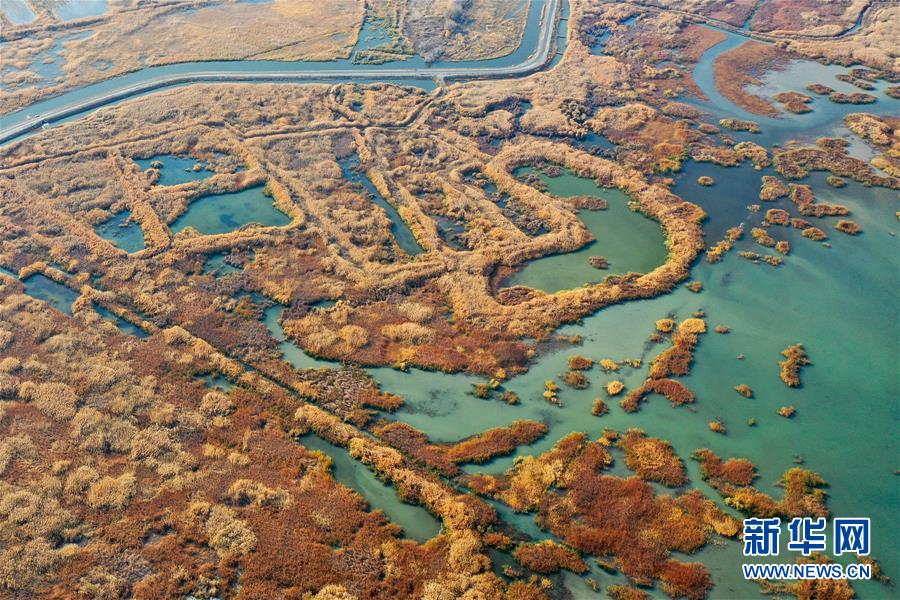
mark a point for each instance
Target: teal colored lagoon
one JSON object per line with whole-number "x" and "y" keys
{"x": 123, "y": 232}
{"x": 847, "y": 416}
{"x": 217, "y": 381}
{"x": 222, "y": 213}
{"x": 627, "y": 239}
{"x": 175, "y": 170}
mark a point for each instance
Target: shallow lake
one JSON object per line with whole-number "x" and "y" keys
{"x": 125, "y": 234}
{"x": 222, "y": 213}
{"x": 175, "y": 170}
{"x": 627, "y": 239}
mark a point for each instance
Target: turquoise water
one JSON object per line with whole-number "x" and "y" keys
{"x": 123, "y": 325}
{"x": 175, "y": 170}
{"x": 416, "y": 522}
{"x": 126, "y": 235}
{"x": 55, "y": 294}
{"x": 399, "y": 229}
{"x": 221, "y": 213}
{"x": 627, "y": 239}
{"x": 814, "y": 299}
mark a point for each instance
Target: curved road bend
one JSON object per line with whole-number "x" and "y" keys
{"x": 535, "y": 61}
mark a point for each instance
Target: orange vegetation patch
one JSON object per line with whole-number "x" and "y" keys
{"x": 740, "y": 125}
{"x": 608, "y": 516}
{"x": 677, "y": 359}
{"x": 580, "y": 363}
{"x": 599, "y": 407}
{"x": 665, "y": 325}
{"x": 814, "y": 233}
{"x": 787, "y": 412}
{"x": 802, "y": 196}
{"x": 796, "y": 162}
{"x": 716, "y": 252}
{"x": 744, "y": 390}
{"x": 652, "y": 459}
{"x": 476, "y": 449}
{"x": 734, "y": 471}
{"x": 852, "y": 98}
{"x": 674, "y": 391}
{"x": 810, "y": 17}
{"x": 718, "y": 427}
{"x": 615, "y": 387}
{"x": 803, "y": 493}
{"x": 849, "y": 227}
{"x": 762, "y": 237}
{"x": 776, "y": 216}
{"x": 795, "y": 358}
{"x": 794, "y": 102}
{"x": 173, "y": 488}
{"x": 626, "y": 592}
{"x": 548, "y": 557}
{"x": 575, "y": 379}
{"x": 742, "y": 67}
{"x": 772, "y": 189}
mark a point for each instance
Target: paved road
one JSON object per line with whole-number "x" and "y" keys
{"x": 537, "y": 60}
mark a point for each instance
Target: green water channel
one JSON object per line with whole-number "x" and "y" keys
{"x": 416, "y": 522}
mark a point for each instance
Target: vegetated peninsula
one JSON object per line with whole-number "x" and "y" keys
{"x": 210, "y": 296}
